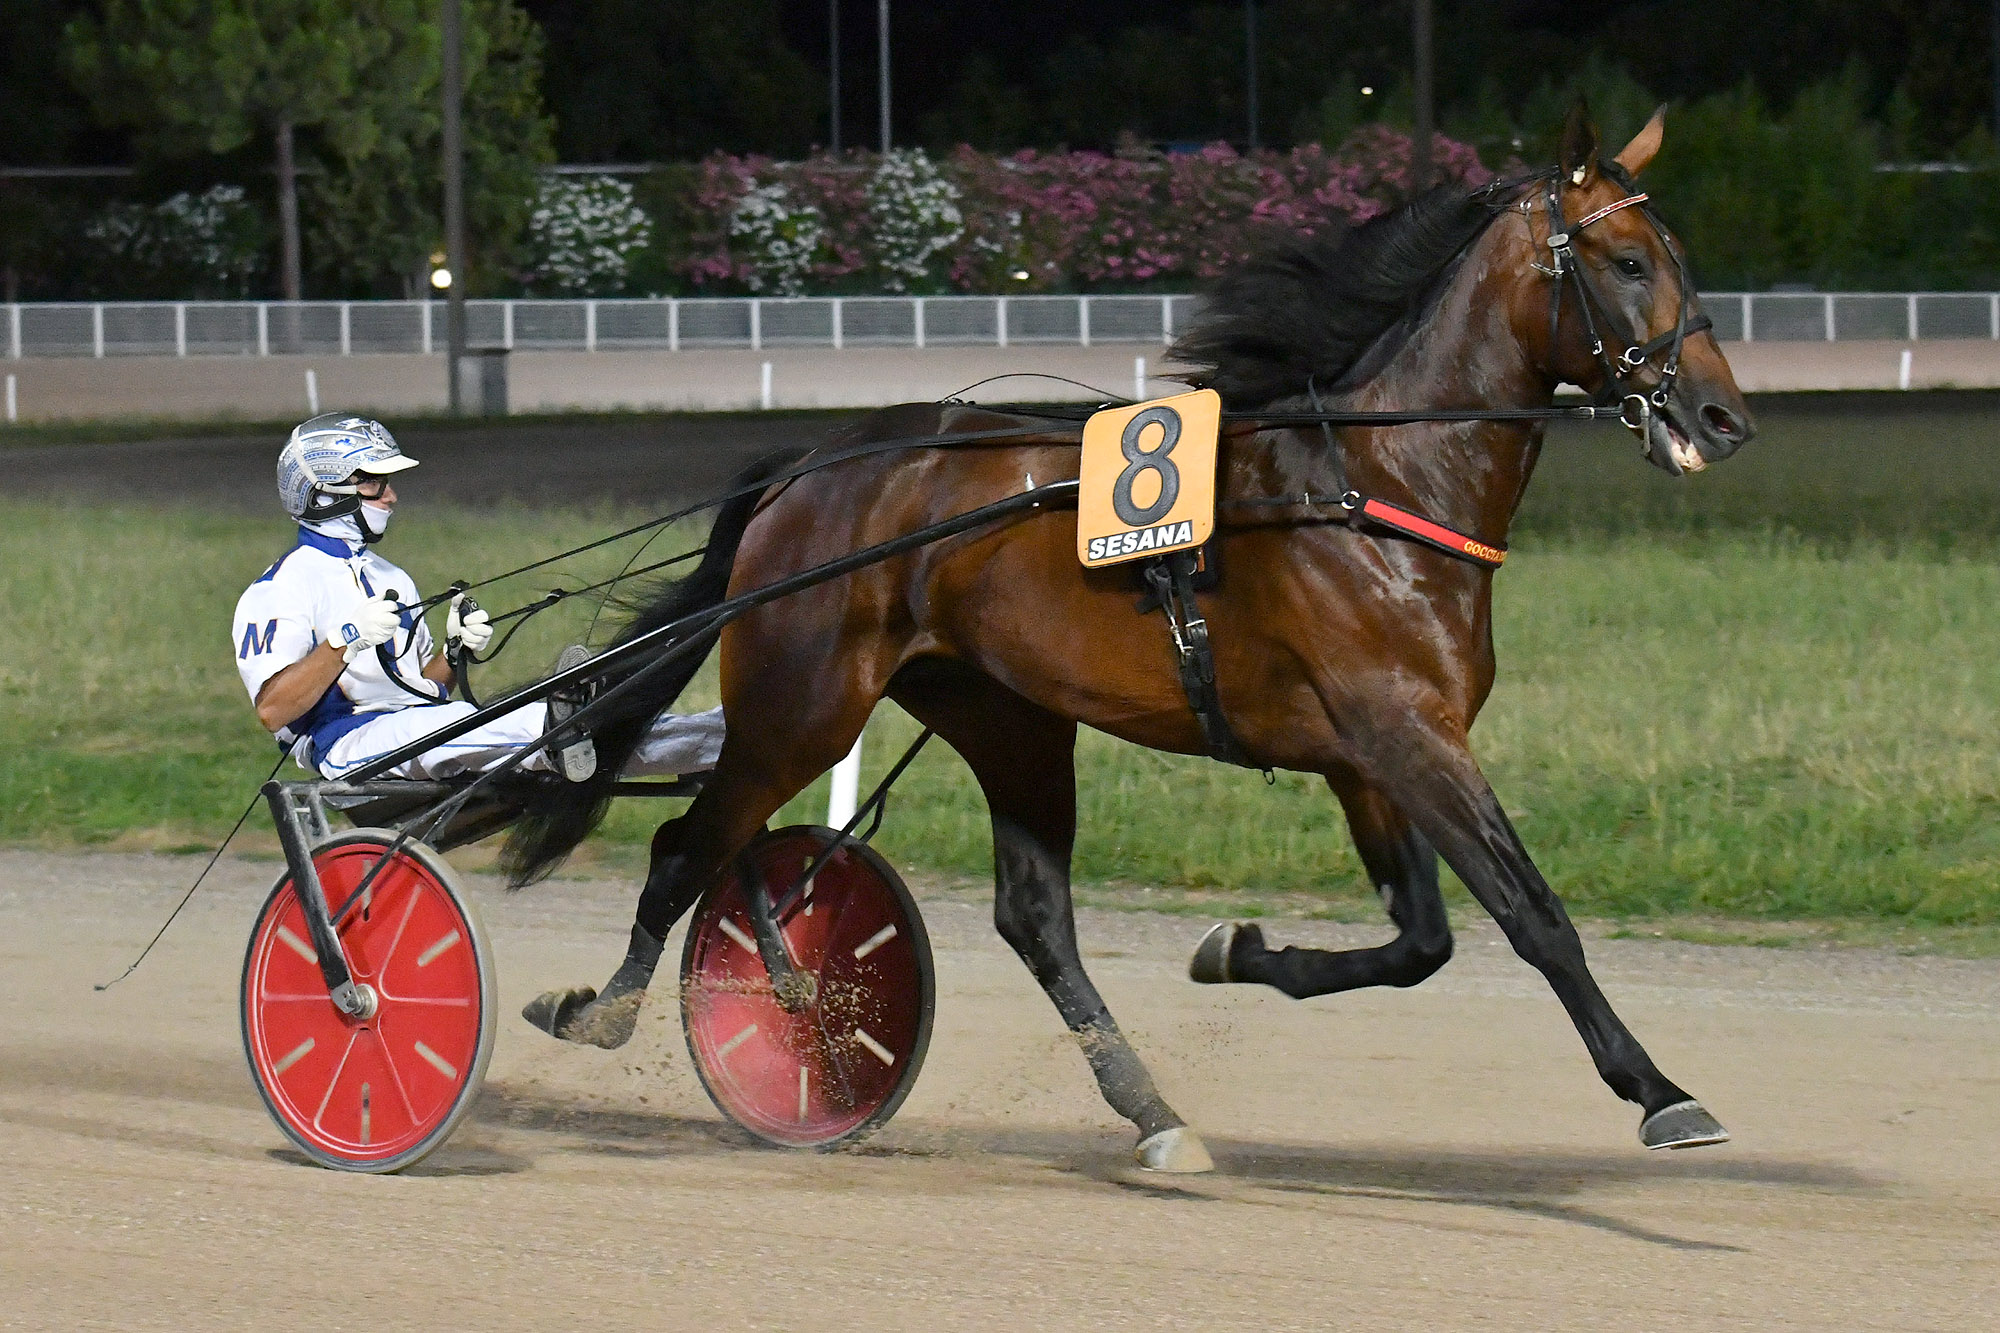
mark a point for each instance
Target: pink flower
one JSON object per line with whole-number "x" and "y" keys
{"x": 1035, "y": 221}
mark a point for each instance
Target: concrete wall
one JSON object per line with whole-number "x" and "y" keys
{"x": 269, "y": 388}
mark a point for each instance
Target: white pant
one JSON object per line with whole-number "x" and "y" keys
{"x": 673, "y": 744}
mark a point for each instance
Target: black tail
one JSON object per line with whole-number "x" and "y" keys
{"x": 555, "y": 822}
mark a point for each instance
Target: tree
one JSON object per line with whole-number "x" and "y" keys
{"x": 44, "y": 121}
{"x": 216, "y": 74}
{"x": 655, "y": 80}
{"x": 377, "y": 207}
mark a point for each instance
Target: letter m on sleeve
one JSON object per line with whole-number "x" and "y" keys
{"x": 253, "y": 642}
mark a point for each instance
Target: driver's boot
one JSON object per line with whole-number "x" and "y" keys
{"x": 577, "y": 759}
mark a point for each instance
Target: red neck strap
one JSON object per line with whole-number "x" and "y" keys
{"x": 1419, "y": 528}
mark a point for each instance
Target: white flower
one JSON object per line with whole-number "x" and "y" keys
{"x": 915, "y": 215}
{"x": 584, "y": 233}
{"x": 776, "y": 238}
{"x": 211, "y": 234}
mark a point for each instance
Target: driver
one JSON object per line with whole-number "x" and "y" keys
{"x": 307, "y": 634}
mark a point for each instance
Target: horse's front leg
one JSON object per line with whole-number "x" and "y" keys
{"x": 1403, "y": 869}
{"x": 1430, "y": 773}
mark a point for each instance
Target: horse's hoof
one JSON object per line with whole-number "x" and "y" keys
{"x": 553, "y": 1010}
{"x": 1682, "y": 1125}
{"x": 1210, "y": 964}
{"x": 1174, "y": 1152}
{"x": 578, "y": 1015}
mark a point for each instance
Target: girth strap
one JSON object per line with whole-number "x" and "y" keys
{"x": 1171, "y": 577}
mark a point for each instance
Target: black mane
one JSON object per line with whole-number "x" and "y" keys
{"x": 1309, "y": 307}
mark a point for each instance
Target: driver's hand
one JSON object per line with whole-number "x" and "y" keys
{"x": 374, "y": 622}
{"x": 470, "y": 632}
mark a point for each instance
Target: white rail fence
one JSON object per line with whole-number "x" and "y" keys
{"x": 346, "y": 328}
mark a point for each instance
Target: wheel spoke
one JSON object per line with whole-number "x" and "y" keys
{"x": 830, "y": 1052}
{"x": 396, "y": 1076}
{"x": 415, "y": 892}
{"x": 837, "y": 916}
{"x": 333, "y": 1081}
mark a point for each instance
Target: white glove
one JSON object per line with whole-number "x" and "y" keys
{"x": 470, "y": 632}
{"x": 374, "y": 622}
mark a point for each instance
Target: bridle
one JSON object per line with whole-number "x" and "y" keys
{"x": 1637, "y": 401}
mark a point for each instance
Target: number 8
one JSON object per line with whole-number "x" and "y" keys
{"x": 1139, "y": 460}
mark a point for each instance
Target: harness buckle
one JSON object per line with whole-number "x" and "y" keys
{"x": 1635, "y": 413}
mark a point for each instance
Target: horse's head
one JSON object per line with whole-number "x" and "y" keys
{"x": 1628, "y": 326}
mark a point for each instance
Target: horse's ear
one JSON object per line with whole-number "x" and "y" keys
{"x": 1636, "y": 156}
{"x": 1579, "y": 144}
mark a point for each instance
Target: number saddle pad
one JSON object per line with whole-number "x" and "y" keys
{"x": 1148, "y": 480}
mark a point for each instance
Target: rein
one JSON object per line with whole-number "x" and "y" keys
{"x": 1379, "y": 511}
{"x": 1622, "y": 397}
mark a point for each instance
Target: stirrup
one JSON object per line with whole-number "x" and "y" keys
{"x": 576, "y": 761}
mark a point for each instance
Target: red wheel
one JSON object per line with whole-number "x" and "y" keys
{"x": 373, "y": 1094}
{"x": 843, "y": 1063}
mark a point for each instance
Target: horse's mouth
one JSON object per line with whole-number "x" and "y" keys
{"x": 1669, "y": 448}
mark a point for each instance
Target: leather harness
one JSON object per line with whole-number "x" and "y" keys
{"x": 1170, "y": 578}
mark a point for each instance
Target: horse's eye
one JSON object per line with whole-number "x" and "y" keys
{"x": 1631, "y": 267}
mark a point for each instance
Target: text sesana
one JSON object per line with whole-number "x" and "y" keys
{"x": 1142, "y": 539}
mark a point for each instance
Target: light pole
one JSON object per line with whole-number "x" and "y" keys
{"x": 1421, "y": 166}
{"x": 454, "y": 203}
{"x": 1250, "y": 66}
{"x": 833, "y": 61}
{"x": 882, "y": 23}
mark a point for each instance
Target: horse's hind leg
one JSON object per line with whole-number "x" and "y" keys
{"x": 1024, "y": 760}
{"x": 1404, "y": 870}
{"x": 796, "y": 736}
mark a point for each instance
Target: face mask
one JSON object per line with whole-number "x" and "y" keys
{"x": 346, "y": 528}
{"x": 374, "y": 521}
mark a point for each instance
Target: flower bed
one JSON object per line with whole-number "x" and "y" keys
{"x": 973, "y": 222}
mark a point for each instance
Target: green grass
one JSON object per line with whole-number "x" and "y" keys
{"x": 1753, "y": 729}
{"x": 121, "y": 430}
{"x": 120, "y": 715}
{"x": 1691, "y": 718}
{"x": 1918, "y": 471}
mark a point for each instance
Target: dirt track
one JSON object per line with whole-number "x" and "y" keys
{"x": 1439, "y": 1158}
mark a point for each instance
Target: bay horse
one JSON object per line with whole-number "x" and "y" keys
{"x": 1352, "y": 653}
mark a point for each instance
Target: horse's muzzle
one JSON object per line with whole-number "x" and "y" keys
{"x": 1678, "y": 441}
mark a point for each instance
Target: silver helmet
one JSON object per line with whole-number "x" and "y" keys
{"x": 318, "y": 466}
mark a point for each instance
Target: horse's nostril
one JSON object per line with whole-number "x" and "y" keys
{"x": 1721, "y": 420}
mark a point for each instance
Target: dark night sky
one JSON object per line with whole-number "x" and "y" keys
{"x": 1940, "y": 51}
{"x": 666, "y": 79}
